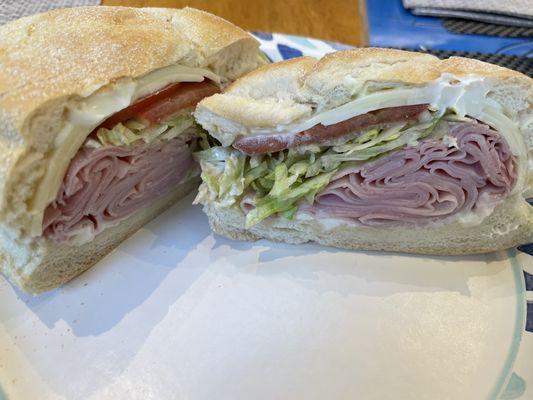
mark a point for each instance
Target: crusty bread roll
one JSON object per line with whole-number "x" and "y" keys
{"x": 279, "y": 99}
{"x": 509, "y": 225}
{"x": 64, "y": 72}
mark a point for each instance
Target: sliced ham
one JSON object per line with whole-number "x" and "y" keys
{"x": 425, "y": 183}
{"x": 107, "y": 184}
{"x": 262, "y": 144}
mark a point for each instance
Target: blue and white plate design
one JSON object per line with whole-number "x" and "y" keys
{"x": 280, "y": 47}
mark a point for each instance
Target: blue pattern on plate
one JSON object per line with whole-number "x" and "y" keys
{"x": 288, "y": 52}
{"x": 301, "y": 40}
{"x": 529, "y": 322}
{"x": 515, "y": 388}
{"x": 529, "y": 280}
{"x": 263, "y": 35}
{"x": 280, "y": 47}
{"x": 526, "y": 248}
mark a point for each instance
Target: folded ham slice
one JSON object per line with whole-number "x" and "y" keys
{"x": 105, "y": 185}
{"x": 429, "y": 182}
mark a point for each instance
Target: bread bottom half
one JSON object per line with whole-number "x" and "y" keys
{"x": 510, "y": 224}
{"x": 40, "y": 266}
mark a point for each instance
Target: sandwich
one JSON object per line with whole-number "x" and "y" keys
{"x": 97, "y": 132}
{"x": 373, "y": 149}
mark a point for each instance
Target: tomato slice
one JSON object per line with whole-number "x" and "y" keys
{"x": 164, "y": 104}
{"x": 188, "y": 96}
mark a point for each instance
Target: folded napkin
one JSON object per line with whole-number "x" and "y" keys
{"x": 488, "y": 18}
{"x": 13, "y": 9}
{"x": 518, "y": 8}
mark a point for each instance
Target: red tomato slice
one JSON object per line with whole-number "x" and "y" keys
{"x": 164, "y": 104}
{"x": 188, "y": 96}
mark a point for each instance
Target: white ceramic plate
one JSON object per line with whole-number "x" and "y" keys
{"x": 179, "y": 313}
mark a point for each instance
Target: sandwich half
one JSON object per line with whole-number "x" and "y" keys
{"x": 373, "y": 149}
{"x": 97, "y": 132}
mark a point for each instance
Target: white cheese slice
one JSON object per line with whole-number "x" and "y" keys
{"x": 466, "y": 95}
{"x": 88, "y": 114}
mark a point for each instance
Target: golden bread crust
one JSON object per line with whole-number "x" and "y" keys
{"x": 74, "y": 51}
{"x": 305, "y": 81}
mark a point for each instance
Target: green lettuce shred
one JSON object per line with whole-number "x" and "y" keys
{"x": 263, "y": 57}
{"x": 286, "y": 191}
{"x": 378, "y": 142}
{"x": 129, "y": 132}
{"x": 276, "y": 183}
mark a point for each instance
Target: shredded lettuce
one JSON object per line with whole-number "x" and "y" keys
{"x": 276, "y": 183}
{"x": 286, "y": 191}
{"x": 223, "y": 174}
{"x": 263, "y": 57}
{"x": 124, "y": 134}
{"x": 377, "y": 142}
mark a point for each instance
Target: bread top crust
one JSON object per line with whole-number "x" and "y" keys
{"x": 73, "y": 51}
{"x": 334, "y": 79}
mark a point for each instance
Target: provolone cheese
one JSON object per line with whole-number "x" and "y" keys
{"x": 88, "y": 114}
{"x": 466, "y": 95}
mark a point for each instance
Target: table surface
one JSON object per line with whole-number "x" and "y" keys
{"x": 340, "y": 20}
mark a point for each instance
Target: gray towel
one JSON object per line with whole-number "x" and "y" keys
{"x": 489, "y": 18}
{"x": 518, "y": 8}
{"x": 13, "y": 9}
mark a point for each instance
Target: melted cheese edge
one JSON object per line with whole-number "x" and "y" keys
{"x": 87, "y": 114}
{"x": 466, "y": 95}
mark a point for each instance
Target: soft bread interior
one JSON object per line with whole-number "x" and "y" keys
{"x": 508, "y": 226}
{"x": 41, "y": 265}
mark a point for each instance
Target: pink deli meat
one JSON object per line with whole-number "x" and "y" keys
{"x": 107, "y": 184}
{"x": 429, "y": 182}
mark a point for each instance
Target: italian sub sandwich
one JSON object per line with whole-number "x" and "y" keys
{"x": 373, "y": 149}
{"x": 97, "y": 132}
